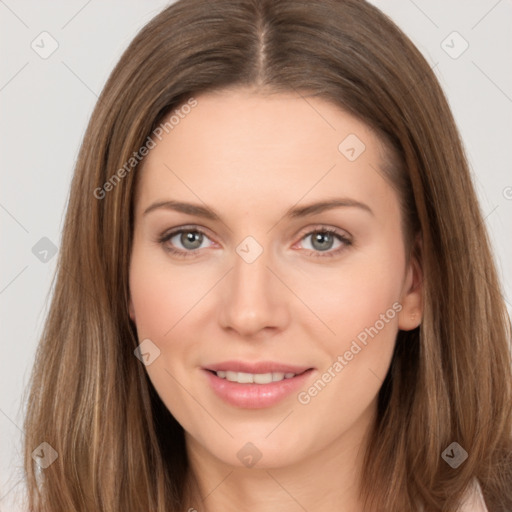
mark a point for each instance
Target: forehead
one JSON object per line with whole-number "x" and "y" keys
{"x": 278, "y": 147}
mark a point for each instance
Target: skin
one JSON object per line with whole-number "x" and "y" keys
{"x": 250, "y": 157}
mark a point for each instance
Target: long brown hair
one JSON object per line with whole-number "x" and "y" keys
{"x": 118, "y": 446}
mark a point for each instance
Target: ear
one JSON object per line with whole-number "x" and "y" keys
{"x": 411, "y": 298}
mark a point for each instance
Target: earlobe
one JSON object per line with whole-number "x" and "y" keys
{"x": 412, "y": 294}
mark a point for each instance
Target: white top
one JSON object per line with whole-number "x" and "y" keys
{"x": 474, "y": 500}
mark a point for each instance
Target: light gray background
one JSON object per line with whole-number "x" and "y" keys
{"x": 45, "y": 105}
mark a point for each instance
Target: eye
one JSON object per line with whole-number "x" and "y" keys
{"x": 322, "y": 241}
{"x": 191, "y": 239}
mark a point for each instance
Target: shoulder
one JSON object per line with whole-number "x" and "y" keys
{"x": 473, "y": 499}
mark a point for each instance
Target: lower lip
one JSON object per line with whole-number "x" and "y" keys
{"x": 255, "y": 396}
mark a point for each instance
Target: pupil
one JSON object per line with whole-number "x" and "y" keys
{"x": 191, "y": 237}
{"x": 322, "y": 237}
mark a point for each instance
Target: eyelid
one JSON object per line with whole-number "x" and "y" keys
{"x": 323, "y": 228}
{"x": 171, "y": 233}
{"x": 343, "y": 236}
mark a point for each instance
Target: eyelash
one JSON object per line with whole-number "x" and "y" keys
{"x": 164, "y": 238}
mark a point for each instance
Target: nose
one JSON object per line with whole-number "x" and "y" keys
{"x": 253, "y": 299}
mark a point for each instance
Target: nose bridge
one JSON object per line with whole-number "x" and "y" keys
{"x": 252, "y": 298}
{"x": 251, "y": 272}
{"x": 251, "y": 279}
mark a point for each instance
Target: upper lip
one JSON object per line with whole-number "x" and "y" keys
{"x": 258, "y": 367}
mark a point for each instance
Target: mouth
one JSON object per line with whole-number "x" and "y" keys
{"x": 266, "y": 385}
{"x": 255, "y": 378}
{"x": 259, "y": 368}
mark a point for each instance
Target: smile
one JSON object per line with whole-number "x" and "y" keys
{"x": 256, "y": 378}
{"x": 255, "y": 390}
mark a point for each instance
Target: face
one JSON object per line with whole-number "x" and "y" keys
{"x": 257, "y": 284}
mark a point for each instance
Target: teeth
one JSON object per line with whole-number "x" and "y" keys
{"x": 264, "y": 378}
{"x": 232, "y": 376}
{"x": 245, "y": 378}
{"x": 257, "y": 378}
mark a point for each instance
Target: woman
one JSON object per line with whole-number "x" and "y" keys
{"x": 337, "y": 337}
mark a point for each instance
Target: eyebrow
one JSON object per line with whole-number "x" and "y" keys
{"x": 292, "y": 213}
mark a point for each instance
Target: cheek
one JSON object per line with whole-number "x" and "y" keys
{"x": 354, "y": 296}
{"x": 359, "y": 303}
{"x": 361, "y": 307}
{"x": 160, "y": 297}
{"x": 161, "y": 300}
